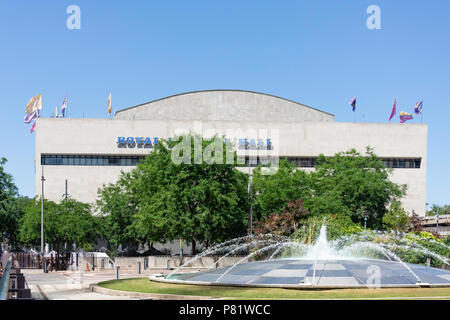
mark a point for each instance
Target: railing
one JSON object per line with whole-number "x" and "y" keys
{"x": 4, "y": 280}
{"x": 432, "y": 220}
{"x": 29, "y": 260}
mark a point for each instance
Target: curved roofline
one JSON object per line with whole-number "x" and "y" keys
{"x": 235, "y": 90}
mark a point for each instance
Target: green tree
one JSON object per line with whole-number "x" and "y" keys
{"x": 11, "y": 206}
{"x": 118, "y": 203}
{"x": 347, "y": 184}
{"x": 396, "y": 218}
{"x": 435, "y": 209}
{"x": 361, "y": 182}
{"x": 194, "y": 200}
{"x": 273, "y": 191}
{"x": 67, "y": 223}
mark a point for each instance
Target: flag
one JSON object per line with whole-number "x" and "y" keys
{"x": 418, "y": 107}
{"x": 109, "y": 104}
{"x": 63, "y": 108}
{"x": 34, "y": 104}
{"x": 394, "y": 110}
{"x": 33, "y": 127}
{"x": 29, "y": 117}
{"x": 404, "y": 116}
{"x": 353, "y": 103}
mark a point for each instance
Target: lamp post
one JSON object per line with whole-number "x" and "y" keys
{"x": 42, "y": 211}
{"x": 437, "y": 221}
{"x": 365, "y": 216}
{"x": 250, "y": 198}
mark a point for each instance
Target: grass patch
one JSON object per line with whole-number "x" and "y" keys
{"x": 145, "y": 285}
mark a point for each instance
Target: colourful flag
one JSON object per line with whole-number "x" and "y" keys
{"x": 34, "y": 104}
{"x": 33, "y": 127}
{"x": 394, "y": 110}
{"x": 63, "y": 108}
{"x": 404, "y": 116}
{"x": 29, "y": 117}
{"x": 353, "y": 103}
{"x": 109, "y": 104}
{"x": 418, "y": 107}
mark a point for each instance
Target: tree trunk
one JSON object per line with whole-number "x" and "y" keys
{"x": 193, "y": 246}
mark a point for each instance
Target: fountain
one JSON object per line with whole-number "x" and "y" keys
{"x": 349, "y": 262}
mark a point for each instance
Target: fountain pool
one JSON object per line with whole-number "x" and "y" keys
{"x": 322, "y": 265}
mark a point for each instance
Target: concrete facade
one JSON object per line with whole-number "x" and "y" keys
{"x": 295, "y": 130}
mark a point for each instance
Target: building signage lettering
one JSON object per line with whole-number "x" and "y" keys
{"x": 148, "y": 142}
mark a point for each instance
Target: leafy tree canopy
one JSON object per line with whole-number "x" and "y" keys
{"x": 177, "y": 192}
{"x": 396, "y": 218}
{"x": 435, "y": 209}
{"x": 11, "y": 205}
{"x": 66, "y": 223}
{"x": 349, "y": 183}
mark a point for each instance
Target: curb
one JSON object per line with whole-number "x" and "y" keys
{"x": 153, "y": 296}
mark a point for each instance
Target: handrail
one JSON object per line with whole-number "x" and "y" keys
{"x": 4, "y": 280}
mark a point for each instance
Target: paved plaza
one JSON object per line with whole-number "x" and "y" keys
{"x": 74, "y": 285}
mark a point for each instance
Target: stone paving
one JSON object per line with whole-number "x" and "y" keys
{"x": 74, "y": 285}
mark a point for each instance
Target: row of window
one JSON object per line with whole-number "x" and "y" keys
{"x": 310, "y": 162}
{"x": 103, "y": 160}
{"x": 402, "y": 163}
{"x": 89, "y": 160}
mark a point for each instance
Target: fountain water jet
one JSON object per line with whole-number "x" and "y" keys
{"x": 325, "y": 264}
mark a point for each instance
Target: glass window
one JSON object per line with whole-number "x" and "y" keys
{"x": 417, "y": 163}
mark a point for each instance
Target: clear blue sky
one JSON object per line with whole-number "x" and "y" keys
{"x": 319, "y": 53}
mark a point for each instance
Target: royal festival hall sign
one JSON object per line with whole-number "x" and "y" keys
{"x": 148, "y": 142}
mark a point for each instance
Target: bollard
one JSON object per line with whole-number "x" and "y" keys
{"x": 428, "y": 262}
{"x": 139, "y": 267}
{"x": 168, "y": 264}
{"x": 45, "y": 267}
{"x": 117, "y": 272}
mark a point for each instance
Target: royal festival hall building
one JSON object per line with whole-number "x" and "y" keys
{"x": 91, "y": 152}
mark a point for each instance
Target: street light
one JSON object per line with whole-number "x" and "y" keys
{"x": 437, "y": 221}
{"x": 364, "y": 214}
{"x": 250, "y": 198}
{"x": 42, "y": 211}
